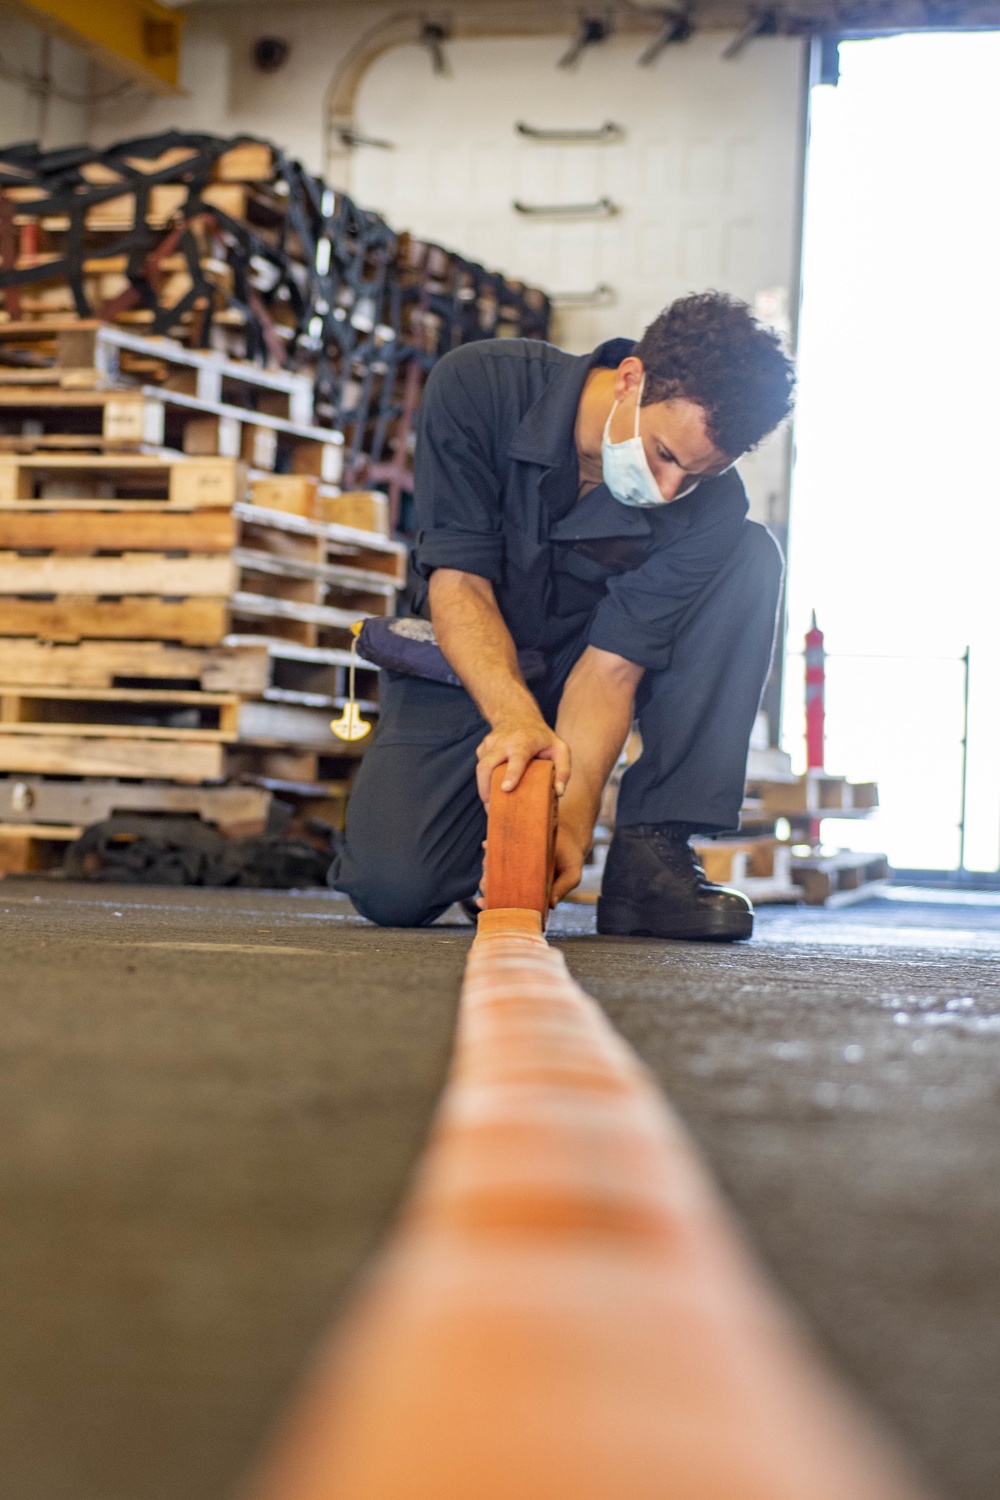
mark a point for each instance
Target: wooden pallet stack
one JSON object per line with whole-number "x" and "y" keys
{"x": 226, "y": 243}
{"x": 77, "y": 384}
{"x": 210, "y": 364}
{"x": 769, "y": 869}
{"x": 172, "y": 618}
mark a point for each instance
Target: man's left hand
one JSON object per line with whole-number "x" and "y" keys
{"x": 570, "y": 855}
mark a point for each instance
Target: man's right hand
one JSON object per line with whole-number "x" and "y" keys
{"x": 519, "y": 741}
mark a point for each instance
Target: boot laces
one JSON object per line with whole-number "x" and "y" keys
{"x": 678, "y": 854}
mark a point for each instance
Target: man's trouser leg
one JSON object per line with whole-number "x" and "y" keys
{"x": 415, "y": 824}
{"x": 695, "y": 717}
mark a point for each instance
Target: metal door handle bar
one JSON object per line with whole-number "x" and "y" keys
{"x": 351, "y": 138}
{"x": 605, "y": 133}
{"x": 601, "y": 296}
{"x": 602, "y": 209}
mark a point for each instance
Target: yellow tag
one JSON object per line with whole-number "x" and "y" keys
{"x": 350, "y": 725}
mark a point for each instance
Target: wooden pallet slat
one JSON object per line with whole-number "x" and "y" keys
{"x": 185, "y": 482}
{"x": 84, "y": 347}
{"x": 816, "y": 795}
{"x": 296, "y": 494}
{"x": 44, "y": 802}
{"x": 154, "y": 529}
{"x": 190, "y": 760}
{"x": 355, "y": 580}
{"x": 362, "y": 510}
{"x": 252, "y": 606}
{"x": 105, "y": 664}
{"x": 218, "y": 427}
{"x": 130, "y": 573}
{"x": 277, "y": 531}
{"x": 839, "y": 879}
{"x": 276, "y": 674}
{"x": 118, "y": 712}
{"x": 344, "y": 544}
{"x": 194, "y": 622}
{"x": 48, "y": 380}
{"x": 33, "y": 850}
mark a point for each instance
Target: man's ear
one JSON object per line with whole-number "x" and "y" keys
{"x": 628, "y": 377}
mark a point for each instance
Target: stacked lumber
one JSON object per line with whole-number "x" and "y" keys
{"x": 171, "y": 624}
{"x": 227, "y": 244}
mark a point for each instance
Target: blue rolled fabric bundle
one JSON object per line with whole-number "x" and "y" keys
{"x": 409, "y": 646}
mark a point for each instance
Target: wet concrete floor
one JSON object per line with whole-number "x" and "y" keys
{"x": 210, "y": 1101}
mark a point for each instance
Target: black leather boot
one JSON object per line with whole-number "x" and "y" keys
{"x": 654, "y": 887}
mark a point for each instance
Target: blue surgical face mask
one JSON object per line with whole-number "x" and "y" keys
{"x": 625, "y": 466}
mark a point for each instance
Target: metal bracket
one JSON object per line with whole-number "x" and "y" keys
{"x": 602, "y": 209}
{"x": 351, "y": 138}
{"x": 761, "y": 23}
{"x": 433, "y": 36}
{"x": 593, "y": 30}
{"x": 675, "y": 26}
{"x": 602, "y": 295}
{"x": 602, "y": 136}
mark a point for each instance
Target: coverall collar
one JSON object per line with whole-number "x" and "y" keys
{"x": 542, "y": 435}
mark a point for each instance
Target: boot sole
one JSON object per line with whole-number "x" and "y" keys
{"x": 622, "y": 919}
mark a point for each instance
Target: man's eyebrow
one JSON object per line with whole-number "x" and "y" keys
{"x": 695, "y": 473}
{"x": 669, "y": 453}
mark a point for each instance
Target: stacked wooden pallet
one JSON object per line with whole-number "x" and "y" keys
{"x": 769, "y": 869}
{"x": 201, "y": 346}
{"x": 763, "y": 866}
{"x": 165, "y": 548}
{"x": 814, "y": 795}
{"x": 173, "y": 620}
{"x": 226, "y": 243}
{"x": 78, "y": 384}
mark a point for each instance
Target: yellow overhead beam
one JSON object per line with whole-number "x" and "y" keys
{"x": 137, "y": 38}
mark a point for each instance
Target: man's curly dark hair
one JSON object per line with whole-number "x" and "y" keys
{"x": 709, "y": 348}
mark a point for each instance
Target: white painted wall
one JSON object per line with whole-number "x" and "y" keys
{"x": 224, "y": 93}
{"x": 25, "y": 115}
{"x": 706, "y": 178}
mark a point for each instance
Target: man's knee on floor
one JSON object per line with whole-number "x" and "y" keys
{"x": 392, "y": 896}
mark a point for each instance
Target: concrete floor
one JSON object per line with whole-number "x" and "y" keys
{"x": 209, "y": 1103}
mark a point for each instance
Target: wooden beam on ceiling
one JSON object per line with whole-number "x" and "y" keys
{"x": 137, "y": 39}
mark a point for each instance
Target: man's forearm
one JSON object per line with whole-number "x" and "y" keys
{"x": 595, "y": 715}
{"x": 475, "y": 640}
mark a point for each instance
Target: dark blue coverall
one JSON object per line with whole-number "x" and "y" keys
{"x": 689, "y": 591}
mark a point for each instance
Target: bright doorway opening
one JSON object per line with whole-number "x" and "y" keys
{"x": 895, "y": 528}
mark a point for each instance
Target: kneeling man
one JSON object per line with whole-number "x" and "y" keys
{"x": 585, "y": 558}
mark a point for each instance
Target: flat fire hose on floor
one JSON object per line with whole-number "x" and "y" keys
{"x": 565, "y": 1311}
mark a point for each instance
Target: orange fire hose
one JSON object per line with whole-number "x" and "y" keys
{"x": 521, "y": 841}
{"x": 565, "y": 1311}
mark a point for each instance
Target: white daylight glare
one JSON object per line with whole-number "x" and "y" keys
{"x": 895, "y": 531}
